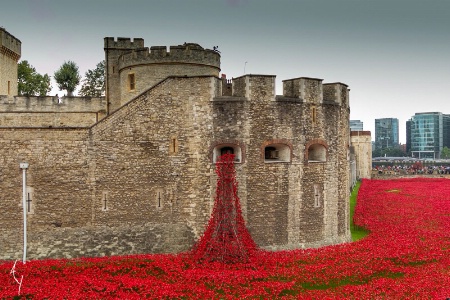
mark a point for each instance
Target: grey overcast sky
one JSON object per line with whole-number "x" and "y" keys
{"x": 393, "y": 54}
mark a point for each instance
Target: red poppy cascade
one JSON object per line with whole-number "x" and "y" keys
{"x": 226, "y": 239}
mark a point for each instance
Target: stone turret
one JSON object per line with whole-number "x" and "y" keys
{"x": 113, "y": 50}
{"x": 10, "y": 51}
{"x": 133, "y": 68}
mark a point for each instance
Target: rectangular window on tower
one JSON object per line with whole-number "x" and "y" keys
{"x": 131, "y": 82}
{"x": 9, "y": 87}
{"x": 173, "y": 145}
{"x": 314, "y": 114}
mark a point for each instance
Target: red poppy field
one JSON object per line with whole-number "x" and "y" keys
{"x": 405, "y": 256}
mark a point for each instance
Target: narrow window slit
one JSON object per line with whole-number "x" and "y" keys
{"x": 29, "y": 203}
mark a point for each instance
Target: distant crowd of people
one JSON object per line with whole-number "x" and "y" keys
{"x": 411, "y": 169}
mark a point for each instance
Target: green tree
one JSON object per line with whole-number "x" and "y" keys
{"x": 94, "y": 81}
{"x": 30, "y": 82}
{"x": 445, "y": 153}
{"x": 391, "y": 152}
{"x": 377, "y": 153}
{"x": 68, "y": 77}
{"x": 395, "y": 152}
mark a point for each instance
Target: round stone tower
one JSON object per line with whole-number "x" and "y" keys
{"x": 134, "y": 69}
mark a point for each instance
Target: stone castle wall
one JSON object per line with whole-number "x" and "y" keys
{"x": 134, "y": 172}
{"x": 22, "y": 111}
{"x": 58, "y": 176}
{"x": 137, "y": 182}
{"x": 145, "y": 77}
{"x": 48, "y": 119}
{"x": 135, "y": 157}
{"x": 51, "y": 104}
{"x": 112, "y": 189}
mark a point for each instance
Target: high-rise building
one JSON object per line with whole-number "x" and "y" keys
{"x": 356, "y": 125}
{"x": 408, "y": 136}
{"x": 386, "y": 133}
{"x": 427, "y": 134}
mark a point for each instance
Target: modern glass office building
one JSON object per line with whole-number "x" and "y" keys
{"x": 386, "y": 133}
{"x": 356, "y": 125}
{"x": 427, "y": 134}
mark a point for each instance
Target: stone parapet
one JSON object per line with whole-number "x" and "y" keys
{"x": 37, "y": 104}
{"x": 182, "y": 54}
{"x": 123, "y": 43}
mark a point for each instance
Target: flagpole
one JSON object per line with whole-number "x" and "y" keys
{"x": 24, "y": 167}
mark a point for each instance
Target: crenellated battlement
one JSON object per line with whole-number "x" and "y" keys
{"x": 313, "y": 90}
{"x": 123, "y": 43}
{"x": 51, "y": 104}
{"x": 250, "y": 84}
{"x": 336, "y": 92}
{"x": 306, "y": 88}
{"x": 301, "y": 89}
{"x": 189, "y": 53}
{"x": 48, "y": 111}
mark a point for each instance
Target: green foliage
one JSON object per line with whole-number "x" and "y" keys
{"x": 445, "y": 153}
{"x": 356, "y": 231}
{"x": 391, "y": 152}
{"x": 67, "y": 77}
{"x": 94, "y": 81}
{"x": 30, "y": 82}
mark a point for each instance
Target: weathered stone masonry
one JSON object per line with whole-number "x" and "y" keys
{"x": 141, "y": 179}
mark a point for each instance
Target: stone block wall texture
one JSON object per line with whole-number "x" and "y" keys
{"x": 58, "y": 174}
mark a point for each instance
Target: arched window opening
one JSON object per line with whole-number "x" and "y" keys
{"x": 227, "y": 149}
{"x": 277, "y": 153}
{"x": 271, "y": 153}
{"x": 317, "y": 153}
